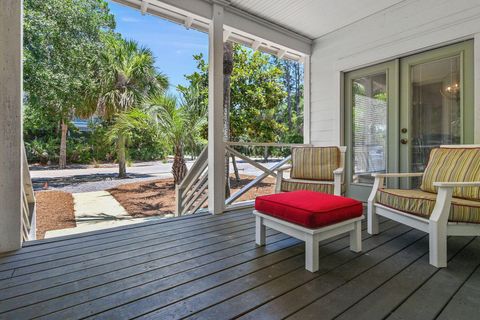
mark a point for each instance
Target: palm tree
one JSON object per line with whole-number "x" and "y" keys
{"x": 121, "y": 131}
{"x": 196, "y": 111}
{"x": 180, "y": 124}
{"x": 127, "y": 75}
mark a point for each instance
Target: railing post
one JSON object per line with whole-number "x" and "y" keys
{"x": 178, "y": 199}
{"x": 216, "y": 148}
{"x": 10, "y": 124}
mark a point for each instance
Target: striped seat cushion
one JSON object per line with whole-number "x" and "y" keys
{"x": 421, "y": 203}
{"x": 453, "y": 165}
{"x": 315, "y": 163}
{"x": 292, "y": 185}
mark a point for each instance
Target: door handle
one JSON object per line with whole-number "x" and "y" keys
{"x": 403, "y": 141}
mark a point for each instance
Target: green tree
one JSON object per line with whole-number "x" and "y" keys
{"x": 62, "y": 43}
{"x": 127, "y": 76}
{"x": 256, "y": 90}
{"x": 180, "y": 124}
{"x": 121, "y": 133}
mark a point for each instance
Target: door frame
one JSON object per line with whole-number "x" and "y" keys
{"x": 396, "y": 110}
{"x": 361, "y": 190}
{"x": 465, "y": 51}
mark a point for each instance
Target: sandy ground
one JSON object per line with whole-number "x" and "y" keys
{"x": 152, "y": 198}
{"x": 140, "y": 199}
{"x": 54, "y": 211}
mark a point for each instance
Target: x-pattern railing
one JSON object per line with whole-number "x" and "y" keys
{"x": 192, "y": 192}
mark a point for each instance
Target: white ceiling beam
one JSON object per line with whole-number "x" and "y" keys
{"x": 262, "y": 29}
{"x": 256, "y": 44}
{"x": 144, "y": 6}
{"x": 188, "y": 22}
{"x": 226, "y": 35}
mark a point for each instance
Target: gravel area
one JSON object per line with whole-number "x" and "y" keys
{"x": 86, "y": 178}
{"x": 88, "y": 183}
{"x": 54, "y": 211}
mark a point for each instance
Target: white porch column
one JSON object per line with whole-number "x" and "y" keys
{"x": 10, "y": 124}
{"x": 216, "y": 147}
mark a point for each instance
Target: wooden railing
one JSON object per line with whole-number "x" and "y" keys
{"x": 28, "y": 203}
{"x": 229, "y": 202}
{"x": 192, "y": 193}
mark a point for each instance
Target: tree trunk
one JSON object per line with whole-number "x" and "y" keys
{"x": 235, "y": 168}
{"x": 288, "y": 88}
{"x": 265, "y": 155}
{"x": 298, "y": 94}
{"x": 227, "y": 72}
{"x": 62, "y": 160}
{"x": 179, "y": 168}
{"x": 298, "y": 86}
{"x": 122, "y": 169}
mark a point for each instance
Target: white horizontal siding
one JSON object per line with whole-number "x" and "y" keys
{"x": 409, "y": 27}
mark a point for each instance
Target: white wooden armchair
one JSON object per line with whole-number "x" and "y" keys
{"x": 447, "y": 204}
{"x": 318, "y": 169}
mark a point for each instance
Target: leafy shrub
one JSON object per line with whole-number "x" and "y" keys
{"x": 43, "y": 150}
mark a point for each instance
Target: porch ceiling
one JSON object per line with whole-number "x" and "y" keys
{"x": 312, "y": 18}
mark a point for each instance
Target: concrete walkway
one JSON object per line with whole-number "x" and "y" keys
{"x": 95, "y": 211}
{"x": 96, "y": 207}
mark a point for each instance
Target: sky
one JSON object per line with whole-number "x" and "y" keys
{"x": 172, "y": 45}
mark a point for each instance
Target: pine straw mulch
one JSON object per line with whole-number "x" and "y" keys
{"x": 54, "y": 211}
{"x": 157, "y": 197}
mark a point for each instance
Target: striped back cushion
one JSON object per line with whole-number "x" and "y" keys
{"x": 453, "y": 165}
{"x": 314, "y": 163}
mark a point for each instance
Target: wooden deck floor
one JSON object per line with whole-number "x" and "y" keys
{"x": 207, "y": 267}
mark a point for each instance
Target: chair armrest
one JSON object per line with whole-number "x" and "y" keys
{"x": 338, "y": 171}
{"x": 456, "y": 184}
{"x": 338, "y": 180}
{"x": 284, "y": 168}
{"x": 444, "y": 199}
{"x": 397, "y": 175}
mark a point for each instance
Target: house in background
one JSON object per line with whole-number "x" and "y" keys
{"x": 417, "y": 61}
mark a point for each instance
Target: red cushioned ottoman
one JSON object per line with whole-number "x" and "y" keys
{"x": 311, "y": 217}
{"x": 309, "y": 209}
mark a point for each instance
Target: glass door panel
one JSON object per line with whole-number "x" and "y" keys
{"x": 432, "y": 107}
{"x": 369, "y": 134}
{"x": 370, "y": 113}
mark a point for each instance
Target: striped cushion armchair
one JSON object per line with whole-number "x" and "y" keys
{"x": 314, "y": 168}
{"x": 447, "y": 203}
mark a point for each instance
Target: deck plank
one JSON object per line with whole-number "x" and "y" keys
{"x": 346, "y": 260}
{"x": 139, "y": 234}
{"x": 110, "y": 264}
{"x": 208, "y": 267}
{"x": 465, "y": 304}
{"x": 64, "y": 295}
{"x": 341, "y": 298}
{"x": 122, "y": 253}
{"x": 192, "y": 275}
{"x": 385, "y": 298}
{"x": 428, "y": 301}
{"x": 332, "y": 255}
